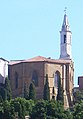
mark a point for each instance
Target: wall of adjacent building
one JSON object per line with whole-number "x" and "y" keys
{"x": 3, "y": 70}
{"x": 80, "y": 82}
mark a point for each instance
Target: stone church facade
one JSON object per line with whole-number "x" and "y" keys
{"x": 35, "y": 70}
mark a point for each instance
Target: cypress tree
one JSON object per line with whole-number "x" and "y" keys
{"x": 60, "y": 96}
{"x": 46, "y": 93}
{"x": 8, "y": 88}
{"x": 3, "y": 94}
{"x": 32, "y": 93}
{"x": 25, "y": 91}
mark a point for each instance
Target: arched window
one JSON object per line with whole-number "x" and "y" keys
{"x": 16, "y": 80}
{"x": 56, "y": 78}
{"x": 35, "y": 78}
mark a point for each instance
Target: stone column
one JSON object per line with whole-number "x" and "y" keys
{"x": 64, "y": 77}
{"x": 66, "y": 105}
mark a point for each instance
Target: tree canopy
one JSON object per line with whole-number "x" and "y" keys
{"x": 78, "y": 110}
{"x": 39, "y": 109}
{"x": 78, "y": 96}
{"x": 5, "y": 90}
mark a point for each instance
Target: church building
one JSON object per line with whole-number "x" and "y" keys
{"x": 35, "y": 70}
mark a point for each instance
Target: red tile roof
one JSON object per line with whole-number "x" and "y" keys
{"x": 12, "y": 62}
{"x": 40, "y": 59}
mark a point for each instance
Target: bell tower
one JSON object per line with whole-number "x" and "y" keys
{"x": 65, "y": 39}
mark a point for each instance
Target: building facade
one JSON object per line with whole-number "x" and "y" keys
{"x": 36, "y": 69}
{"x": 80, "y": 82}
{"x": 3, "y": 70}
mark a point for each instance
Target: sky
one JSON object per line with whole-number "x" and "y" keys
{"x": 30, "y": 28}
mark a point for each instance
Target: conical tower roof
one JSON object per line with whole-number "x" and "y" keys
{"x": 65, "y": 25}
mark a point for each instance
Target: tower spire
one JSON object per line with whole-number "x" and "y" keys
{"x": 65, "y": 25}
{"x": 65, "y": 33}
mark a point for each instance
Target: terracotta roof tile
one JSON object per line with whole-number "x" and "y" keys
{"x": 40, "y": 59}
{"x": 12, "y": 62}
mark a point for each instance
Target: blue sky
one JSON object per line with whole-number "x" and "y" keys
{"x": 29, "y": 28}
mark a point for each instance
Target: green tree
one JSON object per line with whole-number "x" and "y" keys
{"x": 3, "y": 93}
{"x": 26, "y": 92}
{"x": 78, "y": 96}
{"x": 8, "y": 88}
{"x": 19, "y": 107}
{"x": 1, "y": 111}
{"x": 68, "y": 114}
{"x": 1, "y": 98}
{"x": 78, "y": 111}
{"x": 62, "y": 113}
{"x": 60, "y": 96}
{"x": 29, "y": 104}
{"x": 51, "y": 109}
{"x": 46, "y": 92}
{"x": 9, "y": 112}
{"x": 32, "y": 93}
{"x": 39, "y": 110}
{"x": 55, "y": 110}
